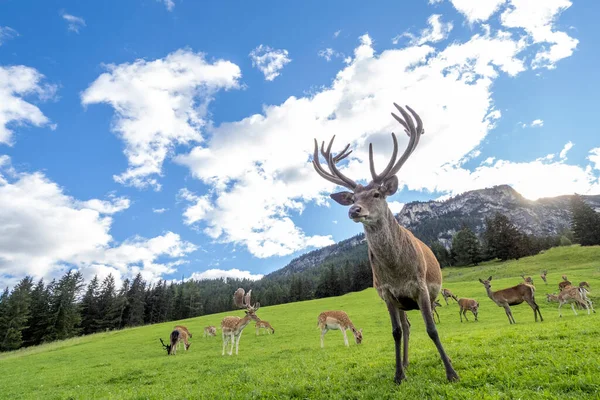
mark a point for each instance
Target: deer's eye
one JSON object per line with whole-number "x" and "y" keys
{"x": 376, "y": 195}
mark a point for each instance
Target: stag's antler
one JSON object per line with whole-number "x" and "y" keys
{"x": 413, "y": 132}
{"x": 335, "y": 175}
{"x": 163, "y": 343}
{"x": 242, "y": 301}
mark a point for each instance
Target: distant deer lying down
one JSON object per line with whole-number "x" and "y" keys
{"x": 572, "y": 295}
{"x": 185, "y": 329}
{"x": 446, "y": 293}
{"x": 337, "y": 320}
{"x": 434, "y": 307}
{"x": 232, "y": 327}
{"x": 513, "y": 296}
{"x": 467, "y": 305}
{"x": 177, "y": 336}
{"x": 406, "y": 273}
{"x": 210, "y": 331}
{"x": 528, "y": 280}
{"x": 543, "y": 276}
{"x": 264, "y": 325}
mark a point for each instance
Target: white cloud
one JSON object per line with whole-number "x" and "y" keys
{"x": 220, "y": 273}
{"x": 200, "y": 208}
{"x": 477, "y": 10}
{"x": 329, "y": 53}
{"x": 594, "y": 157}
{"x": 74, "y": 24}
{"x": 537, "y": 19}
{"x": 563, "y": 152}
{"x": 437, "y": 31}
{"x": 435, "y": 1}
{"x": 269, "y": 61}
{"x": 16, "y": 83}
{"x": 6, "y": 33}
{"x": 159, "y": 104}
{"x": 170, "y": 4}
{"x": 337, "y": 33}
{"x": 395, "y": 206}
{"x": 536, "y": 123}
{"x": 488, "y": 161}
{"x": 159, "y": 210}
{"x": 45, "y": 232}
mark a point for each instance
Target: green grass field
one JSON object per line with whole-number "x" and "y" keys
{"x": 559, "y": 358}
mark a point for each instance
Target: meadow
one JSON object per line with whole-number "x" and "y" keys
{"x": 557, "y": 358}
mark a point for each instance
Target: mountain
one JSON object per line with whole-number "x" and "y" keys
{"x": 440, "y": 220}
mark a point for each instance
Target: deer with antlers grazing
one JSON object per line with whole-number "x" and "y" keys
{"x": 446, "y": 294}
{"x": 185, "y": 329}
{"x": 543, "y": 276}
{"x": 264, "y": 325}
{"x": 337, "y": 320}
{"x": 232, "y": 327}
{"x": 513, "y": 296}
{"x": 177, "y": 335}
{"x": 406, "y": 273}
{"x": 468, "y": 305}
{"x": 210, "y": 331}
{"x": 528, "y": 280}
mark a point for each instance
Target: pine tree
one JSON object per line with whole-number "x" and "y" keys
{"x": 501, "y": 238}
{"x": 442, "y": 254}
{"x": 39, "y": 316}
{"x": 585, "y": 222}
{"x": 64, "y": 315}
{"x": 466, "y": 248}
{"x": 109, "y": 309}
{"x": 89, "y": 307}
{"x": 135, "y": 302}
{"x": 15, "y": 314}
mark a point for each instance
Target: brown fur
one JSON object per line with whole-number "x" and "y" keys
{"x": 446, "y": 294}
{"x": 551, "y": 297}
{"x": 265, "y": 325}
{"x": 528, "y": 280}
{"x": 467, "y": 305}
{"x": 563, "y": 285}
{"x": 232, "y": 327}
{"x": 513, "y": 296}
{"x": 572, "y": 295}
{"x": 584, "y": 284}
{"x": 434, "y": 307}
{"x": 327, "y": 320}
{"x": 183, "y": 328}
{"x": 181, "y": 337}
{"x": 210, "y": 331}
{"x": 543, "y": 276}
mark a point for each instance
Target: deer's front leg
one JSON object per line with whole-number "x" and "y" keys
{"x": 397, "y": 334}
{"x": 405, "y": 336}
{"x": 425, "y": 305}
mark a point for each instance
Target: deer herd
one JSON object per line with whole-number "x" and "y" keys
{"x": 406, "y": 274}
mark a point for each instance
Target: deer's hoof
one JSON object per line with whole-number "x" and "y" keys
{"x": 399, "y": 378}
{"x": 405, "y": 364}
{"x": 452, "y": 376}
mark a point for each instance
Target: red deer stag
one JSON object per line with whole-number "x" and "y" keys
{"x": 528, "y": 280}
{"x": 337, "y": 320}
{"x": 264, "y": 325}
{"x": 446, "y": 294}
{"x": 178, "y": 335}
{"x": 543, "y": 276}
{"x": 232, "y": 327}
{"x": 210, "y": 331}
{"x": 468, "y": 305}
{"x": 406, "y": 274}
{"x": 434, "y": 307}
{"x": 513, "y": 296}
{"x": 572, "y": 295}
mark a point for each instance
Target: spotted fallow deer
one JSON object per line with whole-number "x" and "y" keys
{"x": 264, "y": 325}
{"x": 185, "y": 329}
{"x": 210, "y": 331}
{"x": 528, "y": 280}
{"x": 177, "y": 335}
{"x": 406, "y": 273}
{"x": 543, "y": 276}
{"x": 446, "y": 294}
{"x": 337, "y": 320}
{"x": 468, "y": 305}
{"x": 232, "y": 327}
{"x": 513, "y": 296}
{"x": 564, "y": 284}
{"x": 572, "y": 295}
{"x": 434, "y": 307}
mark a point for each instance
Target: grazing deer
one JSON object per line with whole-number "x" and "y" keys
{"x": 232, "y": 327}
{"x": 265, "y": 325}
{"x": 543, "y": 276}
{"x": 513, "y": 296}
{"x": 468, "y": 305}
{"x": 446, "y": 293}
{"x": 337, "y": 320}
{"x": 572, "y": 295}
{"x": 406, "y": 273}
{"x": 434, "y": 307}
{"x": 210, "y": 331}
{"x": 528, "y": 280}
{"x": 177, "y": 336}
{"x": 185, "y": 329}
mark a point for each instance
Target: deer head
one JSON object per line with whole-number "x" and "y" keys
{"x": 358, "y": 336}
{"x": 487, "y": 283}
{"x": 368, "y": 203}
{"x": 242, "y": 300}
{"x": 166, "y": 346}
{"x": 475, "y": 309}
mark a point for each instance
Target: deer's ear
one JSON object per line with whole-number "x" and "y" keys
{"x": 480, "y": 280}
{"x": 390, "y": 185}
{"x": 343, "y": 198}
{"x": 490, "y": 278}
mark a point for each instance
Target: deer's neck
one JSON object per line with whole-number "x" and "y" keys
{"x": 384, "y": 234}
{"x": 490, "y": 293}
{"x": 242, "y": 324}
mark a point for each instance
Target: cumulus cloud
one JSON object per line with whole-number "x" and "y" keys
{"x": 262, "y": 161}
{"x": 564, "y": 151}
{"x": 6, "y": 33}
{"x": 159, "y": 104}
{"x": 337, "y": 33}
{"x": 170, "y": 4}
{"x": 45, "y": 232}
{"x": 395, "y": 206}
{"x": 594, "y": 157}
{"x": 159, "y": 210}
{"x": 536, "y": 123}
{"x": 17, "y": 83}
{"x": 269, "y": 61}
{"x": 74, "y": 24}
{"x": 437, "y": 31}
{"x": 477, "y": 10}
{"x": 329, "y": 54}
{"x": 220, "y": 273}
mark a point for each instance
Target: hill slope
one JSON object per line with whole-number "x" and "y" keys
{"x": 559, "y": 355}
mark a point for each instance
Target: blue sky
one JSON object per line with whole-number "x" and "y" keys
{"x": 174, "y": 137}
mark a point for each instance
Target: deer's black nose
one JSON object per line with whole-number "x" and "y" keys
{"x": 354, "y": 211}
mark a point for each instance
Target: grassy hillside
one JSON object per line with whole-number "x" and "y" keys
{"x": 556, "y": 358}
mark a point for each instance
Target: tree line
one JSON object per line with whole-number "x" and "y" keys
{"x": 39, "y": 312}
